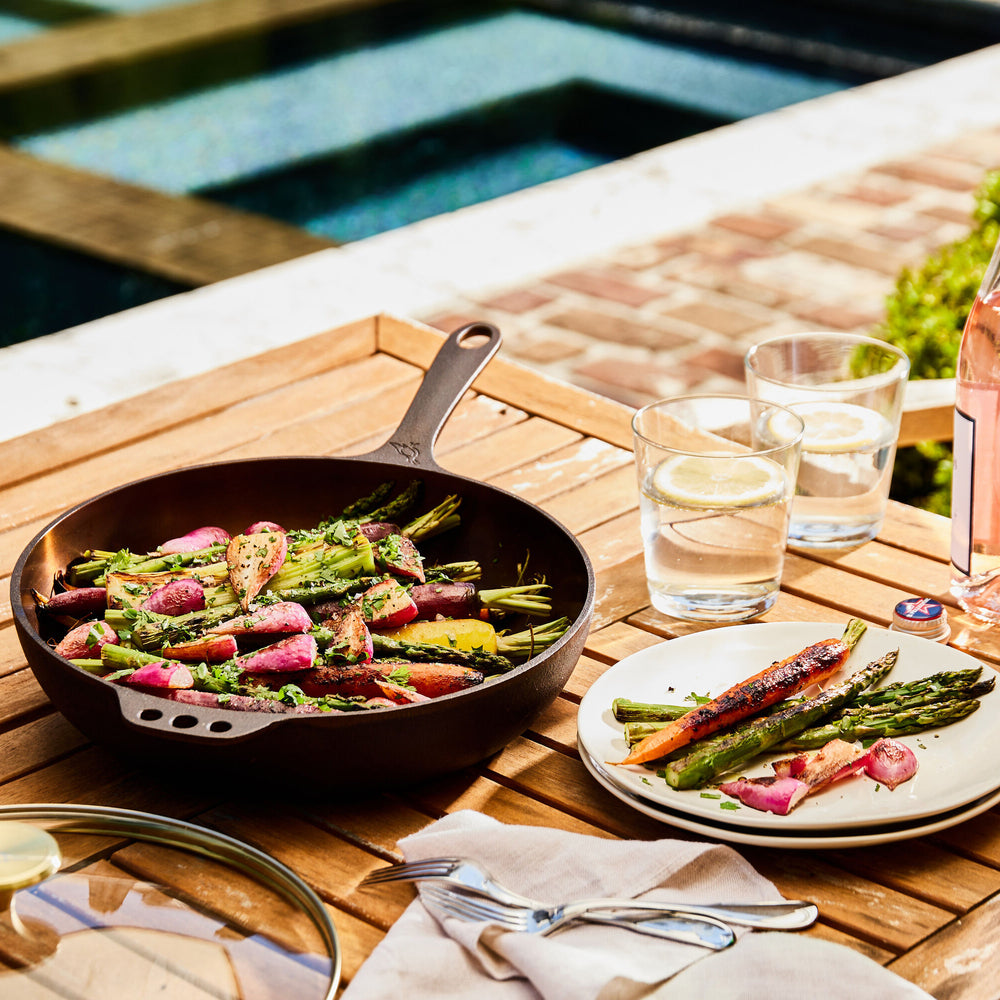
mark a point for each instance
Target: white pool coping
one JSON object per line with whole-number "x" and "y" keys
{"x": 422, "y": 268}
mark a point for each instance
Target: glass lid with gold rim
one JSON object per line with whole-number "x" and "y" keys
{"x": 108, "y": 904}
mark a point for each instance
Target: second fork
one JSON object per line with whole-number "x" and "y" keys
{"x": 705, "y": 932}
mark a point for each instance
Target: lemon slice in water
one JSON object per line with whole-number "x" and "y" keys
{"x": 719, "y": 481}
{"x": 835, "y": 427}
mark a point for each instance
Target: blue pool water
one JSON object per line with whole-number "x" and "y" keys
{"x": 260, "y": 127}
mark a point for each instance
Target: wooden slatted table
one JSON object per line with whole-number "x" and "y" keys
{"x": 928, "y": 908}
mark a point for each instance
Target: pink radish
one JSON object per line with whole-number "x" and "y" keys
{"x": 195, "y": 541}
{"x": 176, "y": 598}
{"x": 285, "y": 616}
{"x": 85, "y": 641}
{"x": 398, "y": 555}
{"x": 297, "y": 652}
{"x": 160, "y": 675}
{"x": 241, "y": 703}
{"x": 260, "y": 526}
{"x": 387, "y": 605}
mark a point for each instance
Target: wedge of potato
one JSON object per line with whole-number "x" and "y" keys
{"x": 459, "y": 633}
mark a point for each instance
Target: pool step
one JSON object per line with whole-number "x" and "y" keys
{"x": 187, "y": 240}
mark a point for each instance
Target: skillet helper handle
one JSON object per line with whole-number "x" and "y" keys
{"x": 216, "y": 725}
{"x": 460, "y": 359}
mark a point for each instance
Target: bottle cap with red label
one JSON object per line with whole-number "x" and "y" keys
{"x": 921, "y": 616}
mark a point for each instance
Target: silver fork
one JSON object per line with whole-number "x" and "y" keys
{"x": 473, "y": 877}
{"x": 706, "y": 932}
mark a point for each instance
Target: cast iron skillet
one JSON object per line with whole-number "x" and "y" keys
{"x": 362, "y": 749}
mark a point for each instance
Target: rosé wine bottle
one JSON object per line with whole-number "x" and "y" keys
{"x": 975, "y": 492}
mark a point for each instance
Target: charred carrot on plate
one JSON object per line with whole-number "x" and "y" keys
{"x": 780, "y": 680}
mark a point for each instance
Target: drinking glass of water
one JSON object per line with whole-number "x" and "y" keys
{"x": 716, "y": 479}
{"x": 848, "y": 390}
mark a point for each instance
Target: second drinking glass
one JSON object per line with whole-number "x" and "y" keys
{"x": 849, "y": 392}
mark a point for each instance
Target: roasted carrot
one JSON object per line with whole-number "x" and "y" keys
{"x": 431, "y": 679}
{"x": 780, "y": 680}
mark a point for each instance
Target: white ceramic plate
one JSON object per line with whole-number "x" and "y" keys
{"x": 803, "y": 841}
{"x": 957, "y": 764}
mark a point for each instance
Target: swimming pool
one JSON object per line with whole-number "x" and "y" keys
{"x": 352, "y": 125}
{"x": 355, "y": 127}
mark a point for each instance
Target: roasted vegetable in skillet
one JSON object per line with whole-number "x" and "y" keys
{"x": 307, "y": 619}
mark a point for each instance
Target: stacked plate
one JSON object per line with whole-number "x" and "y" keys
{"x": 956, "y": 780}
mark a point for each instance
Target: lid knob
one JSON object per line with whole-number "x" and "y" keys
{"x": 27, "y": 855}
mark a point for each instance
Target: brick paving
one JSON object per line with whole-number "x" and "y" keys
{"x": 676, "y": 315}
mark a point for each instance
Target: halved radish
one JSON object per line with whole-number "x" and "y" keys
{"x": 195, "y": 541}
{"x": 387, "y": 605}
{"x": 285, "y": 616}
{"x": 252, "y": 561}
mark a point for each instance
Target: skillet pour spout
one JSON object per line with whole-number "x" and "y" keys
{"x": 365, "y": 749}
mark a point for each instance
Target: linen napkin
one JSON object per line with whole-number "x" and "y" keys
{"x": 425, "y": 955}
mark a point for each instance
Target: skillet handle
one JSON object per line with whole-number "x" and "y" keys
{"x": 195, "y": 724}
{"x": 460, "y": 359}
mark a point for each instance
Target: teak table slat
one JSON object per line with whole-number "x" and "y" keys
{"x": 927, "y": 908}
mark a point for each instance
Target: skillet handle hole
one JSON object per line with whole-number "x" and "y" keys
{"x": 474, "y": 336}
{"x": 220, "y": 727}
{"x": 184, "y": 722}
{"x": 150, "y": 714}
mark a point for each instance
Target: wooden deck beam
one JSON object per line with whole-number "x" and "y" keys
{"x": 94, "y": 44}
{"x": 188, "y": 240}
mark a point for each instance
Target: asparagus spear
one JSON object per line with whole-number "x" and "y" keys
{"x": 365, "y": 505}
{"x": 532, "y": 640}
{"x": 399, "y": 506}
{"x": 308, "y": 565}
{"x": 517, "y": 646}
{"x": 312, "y": 593}
{"x": 454, "y": 572}
{"x": 701, "y": 764}
{"x": 527, "y": 599}
{"x": 441, "y": 518}
{"x": 651, "y": 713}
{"x": 149, "y": 631}
{"x": 99, "y": 562}
{"x": 428, "y": 652}
{"x": 947, "y": 682}
{"x": 635, "y": 732}
{"x": 905, "y": 722}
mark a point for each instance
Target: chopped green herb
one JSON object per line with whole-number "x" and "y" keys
{"x": 401, "y": 676}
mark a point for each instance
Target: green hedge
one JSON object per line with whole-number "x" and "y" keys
{"x": 925, "y": 315}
